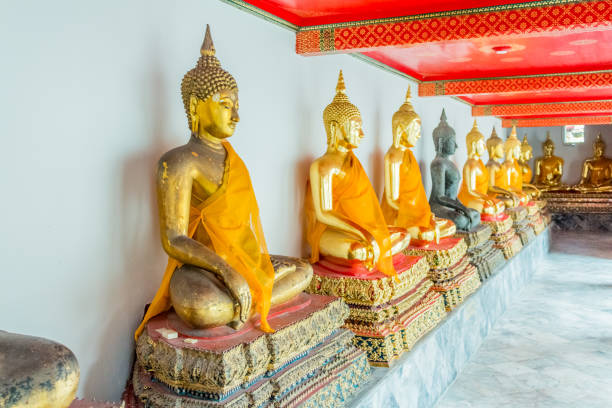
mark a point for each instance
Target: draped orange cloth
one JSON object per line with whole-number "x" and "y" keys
{"x": 230, "y": 218}
{"x": 509, "y": 177}
{"x": 414, "y": 210}
{"x": 482, "y": 185}
{"x": 527, "y": 174}
{"x": 353, "y": 199}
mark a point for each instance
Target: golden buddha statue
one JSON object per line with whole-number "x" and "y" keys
{"x": 343, "y": 215}
{"x": 548, "y": 169}
{"x": 404, "y": 202}
{"x": 527, "y": 174}
{"x": 474, "y": 191}
{"x": 497, "y": 173}
{"x": 526, "y": 155}
{"x": 219, "y": 272}
{"x": 596, "y": 171}
{"x": 510, "y": 177}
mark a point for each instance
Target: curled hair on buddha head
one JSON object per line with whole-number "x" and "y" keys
{"x": 340, "y": 110}
{"x": 493, "y": 140}
{"x": 405, "y": 114}
{"x": 207, "y": 77}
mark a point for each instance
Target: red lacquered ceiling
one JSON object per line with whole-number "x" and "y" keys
{"x": 316, "y": 12}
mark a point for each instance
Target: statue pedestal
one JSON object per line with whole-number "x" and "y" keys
{"x": 387, "y": 314}
{"x": 503, "y": 234}
{"x": 450, "y": 270}
{"x": 580, "y": 211}
{"x": 308, "y": 356}
{"x": 483, "y": 255}
{"x": 419, "y": 378}
{"x": 520, "y": 223}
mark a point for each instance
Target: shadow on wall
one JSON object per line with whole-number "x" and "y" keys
{"x": 377, "y": 156}
{"x": 302, "y": 169}
{"x": 144, "y": 260}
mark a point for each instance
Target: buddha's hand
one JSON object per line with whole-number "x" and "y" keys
{"x": 239, "y": 290}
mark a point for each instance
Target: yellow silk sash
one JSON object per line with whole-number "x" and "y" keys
{"x": 354, "y": 199}
{"x": 230, "y": 217}
{"x": 414, "y": 209}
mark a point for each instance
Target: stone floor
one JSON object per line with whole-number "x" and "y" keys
{"x": 553, "y": 346}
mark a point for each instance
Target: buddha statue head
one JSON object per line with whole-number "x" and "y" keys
{"x": 444, "y": 137}
{"x": 512, "y": 146}
{"x": 406, "y": 124}
{"x": 475, "y": 142}
{"x": 548, "y": 146}
{"x": 210, "y": 95}
{"x": 526, "y": 150}
{"x": 599, "y": 147}
{"x": 495, "y": 146}
{"x": 342, "y": 120}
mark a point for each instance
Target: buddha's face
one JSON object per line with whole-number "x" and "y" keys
{"x": 411, "y": 132}
{"x": 480, "y": 146}
{"x": 516, "y": 152}
{"x": 218, "y": 114}
{"x": 549, "y": 149}
{"x": 449, "y": 146}
{"x": 527, "y": 154}
{"x": 598, "y": 150}
{"x": 352, "y": 133}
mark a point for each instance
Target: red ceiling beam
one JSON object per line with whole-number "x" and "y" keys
{"x": 532, "y": 18}
{"x": 546, "y": 122}
{"x": 529, "y": 84}
{"x": 539, "y": 109}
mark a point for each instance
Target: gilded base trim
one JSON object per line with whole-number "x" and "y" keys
{"x": 383, "y": 350}
{"x": 499, "y": 227}
{"x": 518, "y": 213}
{"x": 219, "y": 373}
{"x": 368, "y": 292}
{"x": 444, "y": 258}
{"x": 486, "y": 259}
{"x": 344, "y": 366}
{"x": 475, "y": 237}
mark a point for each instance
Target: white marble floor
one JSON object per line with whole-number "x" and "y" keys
{"x": 553, "y": 346}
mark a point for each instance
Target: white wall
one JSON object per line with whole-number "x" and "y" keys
{"x": 90, "y": 99}
{"x": 573, "y": 156}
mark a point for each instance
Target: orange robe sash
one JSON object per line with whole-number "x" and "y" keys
{"x": 414, "y": 209}
{"x": 482, "y": 186}
{"x": 353, "y": 199}
{"x": 230, "y": 217}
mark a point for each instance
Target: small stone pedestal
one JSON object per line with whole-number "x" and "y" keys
{"x": 387, "y": 314}
{"x": 308, "y": 357}
{"x": 450, "y": 270}
{"x": 481, "y": 252}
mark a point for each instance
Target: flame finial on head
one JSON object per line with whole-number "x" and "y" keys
{"x": 208, "y": 48}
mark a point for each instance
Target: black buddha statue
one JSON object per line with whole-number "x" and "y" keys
{"x": 445, "y": 179}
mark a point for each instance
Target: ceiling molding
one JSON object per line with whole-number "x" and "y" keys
{"x": 562, "y": 121}
{"x": 537, "y": 109}
{"x": 256, "y": 11}
{"x": 508, "y": 20}
{"x": 522, "y": 84}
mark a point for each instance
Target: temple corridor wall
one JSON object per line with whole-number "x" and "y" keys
{"x": 90, "y": 100}
{"x": 573, "y": 156}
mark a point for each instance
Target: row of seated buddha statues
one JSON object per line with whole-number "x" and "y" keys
{"x": 596, "y": 175}
{"x": 591, "y": 194}
{"x": 359, "y": 254}
{"x": 230, "y": 324}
